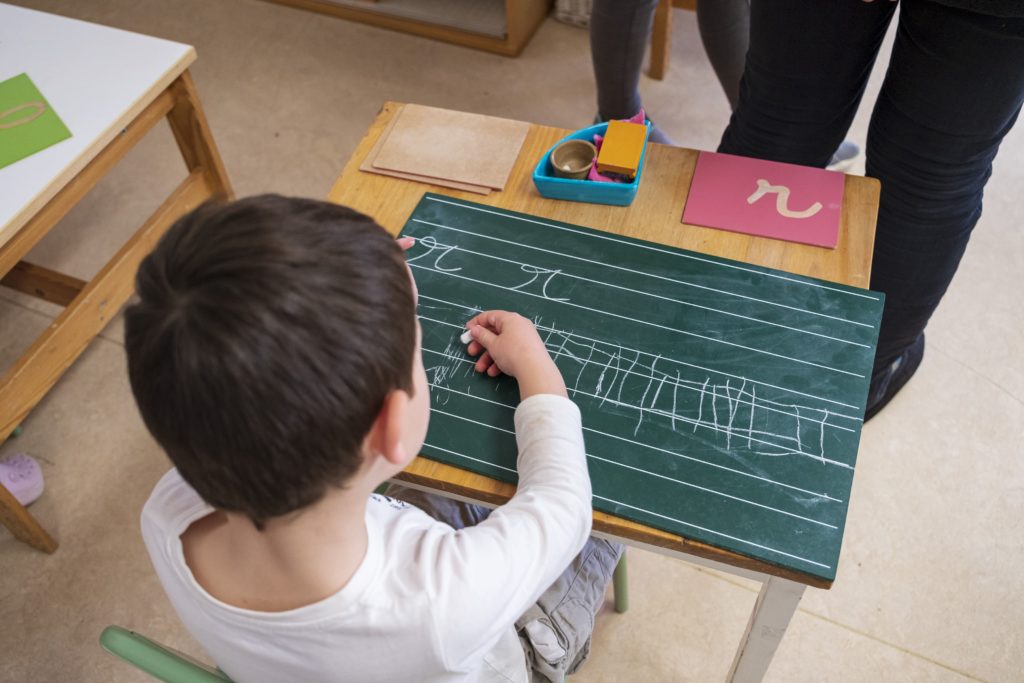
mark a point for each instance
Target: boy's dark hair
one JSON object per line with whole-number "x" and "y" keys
{"x": 266, "y": 335}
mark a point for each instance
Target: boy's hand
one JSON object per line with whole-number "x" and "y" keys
{"x": 510, "y": 344}
{"x": 406, "y": 244}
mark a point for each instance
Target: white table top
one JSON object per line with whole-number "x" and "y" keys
{"x": 96, "y": 78}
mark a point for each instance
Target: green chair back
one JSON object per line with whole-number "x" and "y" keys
{"x": 160, "y": 662}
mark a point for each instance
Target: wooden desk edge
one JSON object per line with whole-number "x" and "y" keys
{"x": 75, "y": 166}
{"x": 456, "y": 481}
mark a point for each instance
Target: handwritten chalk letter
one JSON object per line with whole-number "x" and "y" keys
{"x": 734, "y": 193}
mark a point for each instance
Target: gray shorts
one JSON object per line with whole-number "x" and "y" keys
{"x": 555, "y": 631}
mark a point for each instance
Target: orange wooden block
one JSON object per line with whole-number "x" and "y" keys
{"x": 623, "y": 144}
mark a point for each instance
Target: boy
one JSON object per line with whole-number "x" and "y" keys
{"x": 274, "y": 355}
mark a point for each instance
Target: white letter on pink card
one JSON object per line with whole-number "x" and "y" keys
{"x": 781, "y": 200}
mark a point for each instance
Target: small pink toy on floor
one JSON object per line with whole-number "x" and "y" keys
{"x": 21, "y": 475}
{"x": 640, "y": 117}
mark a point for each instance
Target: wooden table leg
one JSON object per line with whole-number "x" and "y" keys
{"x": 188, "y": 123}
{"x": 22, "y": 524}
{"x": 39, "y": 368}
{"x": 661, "y": 40}
{"x": 56, "y": 349}
{"x": 775, "y": 606}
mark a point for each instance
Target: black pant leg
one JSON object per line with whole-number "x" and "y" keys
{"x": 806, "y": 69}
{"x": 953, "y": 89}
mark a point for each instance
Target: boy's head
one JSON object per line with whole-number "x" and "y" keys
{"x": 268, "y": 334}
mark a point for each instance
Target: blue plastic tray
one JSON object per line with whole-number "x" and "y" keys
{"x": 617, "y": 194}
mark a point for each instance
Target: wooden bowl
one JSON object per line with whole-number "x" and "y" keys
{"x": 573, "y": 159}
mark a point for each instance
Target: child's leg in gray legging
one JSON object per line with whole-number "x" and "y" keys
{"x": 725, "y": 31}
{"x": 619, "y": 30}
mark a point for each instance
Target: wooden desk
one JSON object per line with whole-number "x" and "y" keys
{"x": 653, "y": 216}
{"x": 110, "y": 87}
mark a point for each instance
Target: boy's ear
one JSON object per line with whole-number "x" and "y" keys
{"x": 389, "y": 427}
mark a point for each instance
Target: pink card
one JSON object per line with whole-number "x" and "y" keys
{"x": 766, "y": 198}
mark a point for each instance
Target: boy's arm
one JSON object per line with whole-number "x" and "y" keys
{"x": 488, "y": 575}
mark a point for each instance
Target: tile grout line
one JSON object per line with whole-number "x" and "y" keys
{"x": 980, "y": 374}
{"x": 51, "y": 318}
{"x": 14, "y": 302}
{"x": 863, "y": 634}
{"x": 900, "y": 648}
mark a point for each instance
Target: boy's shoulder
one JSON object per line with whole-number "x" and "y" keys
{"x": 172, "y": 505}
{"x": 407, "y": 534}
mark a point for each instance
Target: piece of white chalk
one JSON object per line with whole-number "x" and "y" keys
{"x": 466, "y": 337}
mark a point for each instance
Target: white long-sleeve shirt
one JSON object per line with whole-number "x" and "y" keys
{"x": 427, "y": 603}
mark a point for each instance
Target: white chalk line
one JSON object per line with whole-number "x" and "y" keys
{"x": 654, "y": 474}
{"x": 455, "y": 247}
{"x": 463, "y": 455}
{"x": 719, "y": 493}
{"x": 650, "y": 247}
{"x": 727, "y": 430}
{"x": 723, "y": 430}
{"x": 655, "y": 514}
{"x": 716, "y": 533}
{"x": 469, "y": 419}
{"x": 651, "y": 275}
{"x": 644, "y": 322}
{"x": 681, "y": 384}
{"x": 679, "y": 362}
{"x": 682, "y": 456}
{"x": 699, "y": 423}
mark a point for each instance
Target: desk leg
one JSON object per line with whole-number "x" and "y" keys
{"x": 192, "y": 132}
{"x": 22, "y": 524}
{"x": 95, "y": 302}
{"x": 775, "y": 606}
{"x": 661, "y": 40}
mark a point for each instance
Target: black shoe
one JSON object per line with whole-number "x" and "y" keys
{"x": 894, "y": 377}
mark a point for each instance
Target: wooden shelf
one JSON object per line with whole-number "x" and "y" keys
{"x": 500, "y": 26}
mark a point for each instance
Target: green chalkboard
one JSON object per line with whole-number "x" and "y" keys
{"x": 721, "y": 401}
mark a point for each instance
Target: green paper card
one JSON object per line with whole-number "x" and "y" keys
{"x": 27, "y": 122}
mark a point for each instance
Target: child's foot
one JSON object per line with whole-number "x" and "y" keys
{"x": 658, "y": 135}
{"x": 21, "y": 475}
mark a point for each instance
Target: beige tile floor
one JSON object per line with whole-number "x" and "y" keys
{"x": 929, "y": 587}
